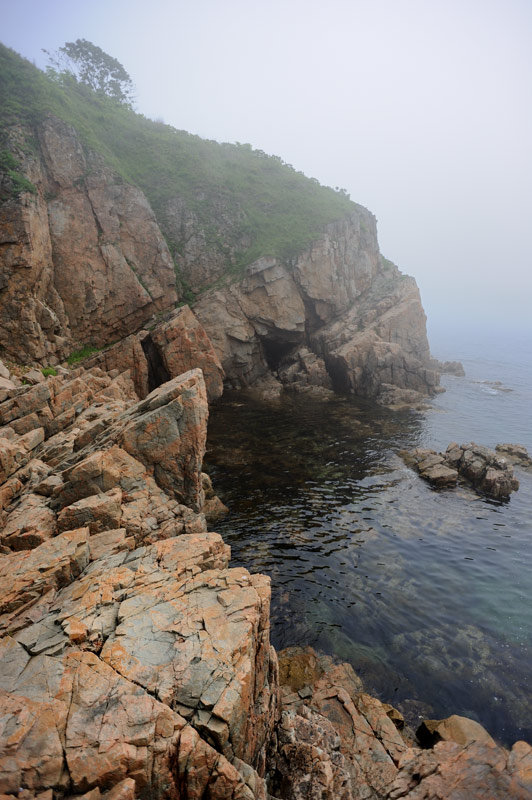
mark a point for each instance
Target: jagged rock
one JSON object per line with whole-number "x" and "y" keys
{"x": 488, "y": 472}
{"x": 303, "y": 369}
{"x": 308, "y": 761}
{"x": 96, "y": 264}
{"x": 125, "y": 354}
{"x": 167, "y": 432}
{"x": 30, "y": 524}
{"x": 183, "y": 344}
{"x": 86, "y": 608}
{"x": 100, "y": 512}
{"x": 477, "y": 771}
{"x": 87, "y": 728}
{"x": 360, "y": 315}
{"x": 173, "y": 346}
{"x": 379, "y": 759}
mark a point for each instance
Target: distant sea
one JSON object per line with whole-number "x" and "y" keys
{"x": 428, "y": 594}
{"x": 476, "y": 410}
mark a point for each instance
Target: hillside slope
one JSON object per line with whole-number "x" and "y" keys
{"x": 109, "y": 220}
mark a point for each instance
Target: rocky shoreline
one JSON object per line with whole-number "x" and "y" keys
{"x": 136, "y": 662}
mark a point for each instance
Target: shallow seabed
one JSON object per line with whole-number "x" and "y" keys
{"x": 427, "y": 593}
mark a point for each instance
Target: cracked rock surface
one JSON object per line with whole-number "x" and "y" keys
{"x": 135, "y": 662}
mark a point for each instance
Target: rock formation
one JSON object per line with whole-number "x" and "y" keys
{"x": 84, "y": 263}
{"x": 516, "y": 454}
{"x": 336, "y": 741}
{"x": 173, "y": 346}
{"x": 83, "y": 259}
{"x": 135, "y": 662}
{"x": 133, "y": 659}
{"x": 342, "y": 302}
{"x": 485, "y": 469}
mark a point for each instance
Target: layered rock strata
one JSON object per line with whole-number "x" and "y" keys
{"x": 133, "y": 660}
{"x": 487, "y": 470}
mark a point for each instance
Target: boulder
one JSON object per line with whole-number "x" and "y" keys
{"x": 452, "y": 729}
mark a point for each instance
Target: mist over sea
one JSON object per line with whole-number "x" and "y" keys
{"x": 476, "y": 408}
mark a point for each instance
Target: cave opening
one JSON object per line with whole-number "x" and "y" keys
{"x": 274, "y": 351}
{"x": 157, "y": 372}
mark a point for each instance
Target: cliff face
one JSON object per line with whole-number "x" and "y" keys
{"x": 82, "y": 260}
{"x": 339, "y": 299}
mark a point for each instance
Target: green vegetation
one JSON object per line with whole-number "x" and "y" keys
{"x": 16, "y": 183}
{"x": 271, "y": 208}
{"x": 47, "y": 371}
{"x": 80, "y": 355}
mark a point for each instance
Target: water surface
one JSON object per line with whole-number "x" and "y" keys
{"x": 426, "y": 593}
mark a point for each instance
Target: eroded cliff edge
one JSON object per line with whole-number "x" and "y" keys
{"x": 85, "y": 264}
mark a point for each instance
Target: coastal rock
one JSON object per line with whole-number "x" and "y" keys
{"x": 370, "y": 759}
{"x": 483, "y": 468}
{"x": 183, "y": 344}
{"x": 455, "y": 368}
{"x": 453, "y": 729}
{"x": 451, "y": 771}
{"x": 253, "y": 323}
{"x": 167, "y": 432}
{"x": 516, "y": 454}
{"x": 103, "y": 641}
{"x": 97, "y": 269}
{"x": 358, "y": 316}
{"x": 173, "y": 346}
{"x": 380, "y": 342}
{"x": 83, "y": 258}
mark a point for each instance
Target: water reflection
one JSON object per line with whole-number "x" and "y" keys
{"x": 425, "y": 593}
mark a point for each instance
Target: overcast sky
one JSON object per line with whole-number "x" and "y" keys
{"x": 421, "y": 109}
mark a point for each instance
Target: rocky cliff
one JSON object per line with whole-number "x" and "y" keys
{"x": 84, "y": 262}
{"x": 135, "y": 662}
{"x": 284, "y": 276}
{"x": 82, "y": 258}
{"x": 338, "y": 299}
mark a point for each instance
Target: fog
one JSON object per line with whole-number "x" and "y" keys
{"x": 420, "y": 109}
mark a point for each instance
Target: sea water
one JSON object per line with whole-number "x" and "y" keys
{"x": 427, "y": 593}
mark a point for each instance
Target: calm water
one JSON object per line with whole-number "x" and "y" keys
{"x": 427, "y": 593}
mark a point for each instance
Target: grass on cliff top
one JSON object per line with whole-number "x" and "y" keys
{"x": 280, "y": 210}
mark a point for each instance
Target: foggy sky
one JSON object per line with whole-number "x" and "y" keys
{"x": 421, "y": 109}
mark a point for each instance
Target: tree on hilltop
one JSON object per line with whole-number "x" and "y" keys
{"x": 89, "y": 64}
